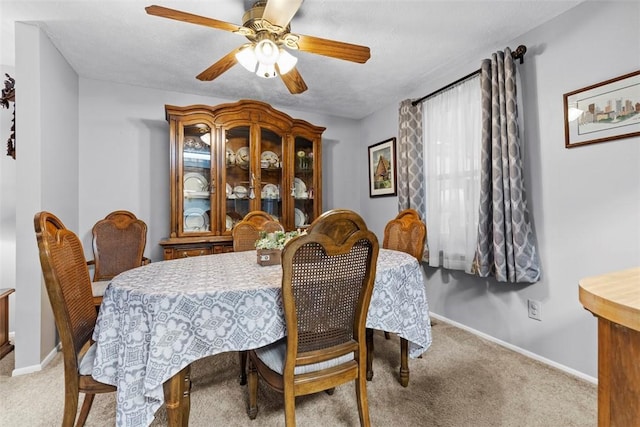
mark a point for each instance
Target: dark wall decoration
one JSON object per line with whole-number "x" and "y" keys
{"x": 9, "y": 95}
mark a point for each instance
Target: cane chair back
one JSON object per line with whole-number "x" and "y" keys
{"x": 406, "y": 233}
{"x": 327, "y": 282}
{"x": 66, "y": 278}
{"x": 247, "y": 231}
{"x": 119, "y": 241}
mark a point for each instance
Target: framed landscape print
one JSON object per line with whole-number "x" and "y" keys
{"x": 382, "y": 168}
{"x": 603, "y": 112}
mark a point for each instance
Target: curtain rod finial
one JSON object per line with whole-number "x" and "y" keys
{"x": 519, "y": 53}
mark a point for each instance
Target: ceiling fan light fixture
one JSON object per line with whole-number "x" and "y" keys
{"x": 286, "y": 61}
{"x": 267, "y": 71}
{"x": 247, "y": 57}
{"x": 267, "y": 52}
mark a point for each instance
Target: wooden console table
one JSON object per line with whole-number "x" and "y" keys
{"x": 614, "y": 299}
{"x": 5, "y": 346}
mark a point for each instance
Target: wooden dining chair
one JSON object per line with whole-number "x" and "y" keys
{"x": 405, "y": 233}
{"x": 327, "y": 282}
{"x": 247, "y": 231}
{"x": 118, "y": 244}
{"x": 66, "y": 278}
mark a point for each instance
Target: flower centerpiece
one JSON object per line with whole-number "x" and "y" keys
{"x": 269, "y": 246}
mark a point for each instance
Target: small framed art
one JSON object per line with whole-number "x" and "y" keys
{"x": 382, "y": 168}
{"x": 603, "y": 112}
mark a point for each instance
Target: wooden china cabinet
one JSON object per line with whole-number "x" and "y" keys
{"x": 231, "y": 159}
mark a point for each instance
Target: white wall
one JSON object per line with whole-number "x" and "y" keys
{"x": 46, "y": 177}
{"x": 584, "y": 202}
{"x": 380, "y": 126}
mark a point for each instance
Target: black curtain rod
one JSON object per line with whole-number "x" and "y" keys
{"x": 516, "y": 54}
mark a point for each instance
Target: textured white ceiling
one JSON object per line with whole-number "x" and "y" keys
{"x": 409, "y": 41}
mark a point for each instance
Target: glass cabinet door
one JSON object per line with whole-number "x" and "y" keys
{"x": 303, "y": 182}
{"x": 197, "y": 181}
{"x": 239, "y": 179}
{"x": 271, "y": 173}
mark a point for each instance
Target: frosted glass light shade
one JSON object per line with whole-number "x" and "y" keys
{"x": 267, "y": 71}
{"x": 267, "y": 52}
{"x": 247, "y": 57}
{"x": 286, "y": 61}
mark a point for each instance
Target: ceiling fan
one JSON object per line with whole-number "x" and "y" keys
{"x": 266, "y": 26}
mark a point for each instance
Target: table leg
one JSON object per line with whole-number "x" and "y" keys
{"x": 404, "y": 362}
{"x": 177, "y": 391}
{"x": 369, "y": 337}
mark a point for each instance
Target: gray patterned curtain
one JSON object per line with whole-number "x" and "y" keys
{"x": 506, "y": 247}
{"x": 410, "y": 154}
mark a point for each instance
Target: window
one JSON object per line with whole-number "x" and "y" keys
{"x": 452, "y": 146}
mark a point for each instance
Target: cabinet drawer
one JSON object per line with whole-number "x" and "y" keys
{"x": 184, "y": 253}
{"x": 221, "y": 249}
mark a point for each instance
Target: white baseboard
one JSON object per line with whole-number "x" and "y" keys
{"x": 38, "y": 367}
{"x": 517, "y": 349}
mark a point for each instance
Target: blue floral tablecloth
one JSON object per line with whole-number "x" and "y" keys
{"x": 157, "y": 319}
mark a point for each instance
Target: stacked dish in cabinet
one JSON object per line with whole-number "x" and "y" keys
{"x": 195, "y": 183}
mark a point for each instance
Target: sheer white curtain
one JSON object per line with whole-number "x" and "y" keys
{"x": 452, "y": 145}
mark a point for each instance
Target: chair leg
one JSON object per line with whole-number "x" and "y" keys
{"x": 369, "y": 337}
{"x": 363, "y": 405}
{"x": 70, "y": 407}
{"x": 243, "y": 367}
{"x": 330, "y": 391}
{"x": 252, "y": 411}
{"x": 404, "y": 362}
{"x": 289, "y": 407}
{"x": 86, "y": 407}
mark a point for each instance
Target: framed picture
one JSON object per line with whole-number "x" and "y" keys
{"x": 603, "y": 112}
{"x": 382, "y": 168}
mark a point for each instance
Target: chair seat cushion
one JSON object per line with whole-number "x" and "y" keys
{"x": 86, "y": 361}
{"x": 98, "y": 288}
{"x": 273, "y": 356}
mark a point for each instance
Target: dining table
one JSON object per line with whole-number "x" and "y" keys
{"x": 157, "y": 319}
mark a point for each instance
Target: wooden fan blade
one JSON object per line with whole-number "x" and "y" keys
{"x": 226, "y": 62}
{"x": 280, "y": 12}
{"x": 293, "y": 81}
{"x": 165, "y": 12}
{"x": 334, "y": 49}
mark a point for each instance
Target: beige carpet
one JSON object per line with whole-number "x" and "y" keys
{"x": 462, "y": 380}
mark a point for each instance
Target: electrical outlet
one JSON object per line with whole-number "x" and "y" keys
{"x": 535, "y": 309}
